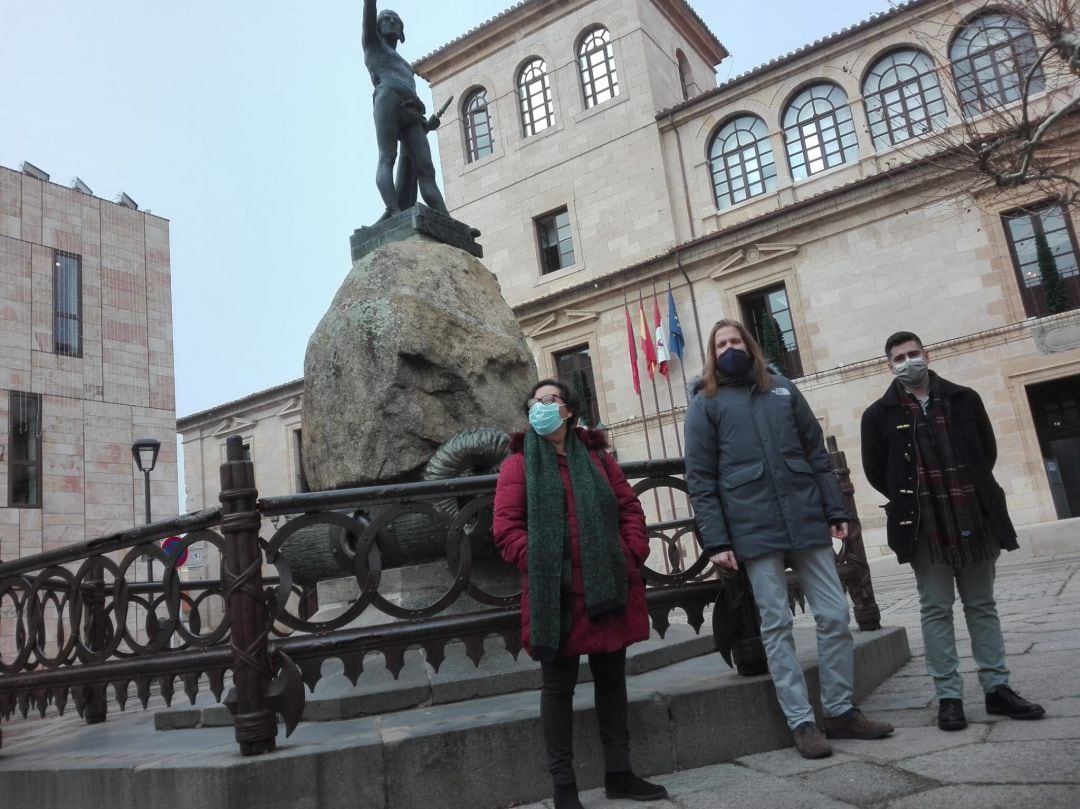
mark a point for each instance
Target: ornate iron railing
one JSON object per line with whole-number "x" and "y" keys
{"x": 79, "y": 623}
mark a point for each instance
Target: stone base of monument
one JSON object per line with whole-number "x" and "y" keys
{"x": 417, "y": 346}
{"x": 415, "y": 587}
{"x": 421, "y": 220}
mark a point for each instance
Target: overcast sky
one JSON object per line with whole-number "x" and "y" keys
{"x": 248, "y": 125}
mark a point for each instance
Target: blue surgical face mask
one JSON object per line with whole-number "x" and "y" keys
{"x": 545, "y": 418}
{"x": 734, "y": 363}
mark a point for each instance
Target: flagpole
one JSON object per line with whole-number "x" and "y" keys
{"x": 637, "y": 390}
{"x": 682, "y": 363}
{"x": 667, "y": 378}
{"x": 675, "y": 330}
{"x": 641, "y": 400}
{"x": 652, "y": 376}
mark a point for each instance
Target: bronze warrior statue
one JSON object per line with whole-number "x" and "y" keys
{"x": 399, "y": 116}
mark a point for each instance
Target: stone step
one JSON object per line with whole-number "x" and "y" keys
{"x": 419, "y": 684}
{"x": 483, "y": 753}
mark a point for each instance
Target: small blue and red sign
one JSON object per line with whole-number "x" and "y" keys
{"x": 169, "y": 546}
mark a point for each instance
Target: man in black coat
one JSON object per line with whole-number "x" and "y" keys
{"x": 929, "y": 447}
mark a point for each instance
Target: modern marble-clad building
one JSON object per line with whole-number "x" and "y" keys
{"x": 86, "y": 363}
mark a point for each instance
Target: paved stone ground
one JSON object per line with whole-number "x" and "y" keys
{"x": 996, "y": 763}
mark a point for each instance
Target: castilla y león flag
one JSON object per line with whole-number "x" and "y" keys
{"x": 662, "y": 356}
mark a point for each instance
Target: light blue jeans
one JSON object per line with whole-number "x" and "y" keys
{"x": 975, "y": 583}
{"x": 816, "y": 571}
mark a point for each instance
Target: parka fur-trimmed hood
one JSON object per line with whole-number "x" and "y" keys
{"x": 592, "y": 439}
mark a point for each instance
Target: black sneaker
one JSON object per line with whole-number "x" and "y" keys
{"x": 1006, "y": 702}
{"x": 629, "y": 786}
{"x": 950, "y": 715}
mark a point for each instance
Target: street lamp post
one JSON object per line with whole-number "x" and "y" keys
{"x": 145, "y": 452}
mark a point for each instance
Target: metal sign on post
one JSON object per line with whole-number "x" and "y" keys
{"x": 169, "y": 544}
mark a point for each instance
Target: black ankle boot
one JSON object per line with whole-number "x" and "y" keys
{"x": 566, "y": 797}
{"x": 627, "y": 785}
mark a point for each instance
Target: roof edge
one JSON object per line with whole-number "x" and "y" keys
{"x": 513, "y": 18}
{"x": 798, "y": 53}
{"x": 189, "y": 421}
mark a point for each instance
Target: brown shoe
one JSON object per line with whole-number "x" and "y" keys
{"x": 810, "y": 743}
{"x": 854, "y": 725}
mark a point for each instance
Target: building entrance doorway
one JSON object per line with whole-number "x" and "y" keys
{"x": 1056, "y": 409}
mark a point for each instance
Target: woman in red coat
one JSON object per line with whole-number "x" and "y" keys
{"x": 569, "y": 521}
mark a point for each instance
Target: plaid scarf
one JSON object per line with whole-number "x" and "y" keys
{"x": 949, "y": 517}
{"x": 603, "y": 566}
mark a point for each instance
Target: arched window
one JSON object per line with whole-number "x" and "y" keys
{"x": 596, "y": 61}
{"x": 686, "y": 78}
{"x": 741, "y": 161}
{"x": 477, "y": 122}
{"x": 903, "y": 98}
{"x": 818, "y": 130}
{"x": 991, "y": 59}
{"x": 534, "y": 96}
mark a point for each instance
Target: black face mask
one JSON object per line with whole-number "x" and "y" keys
{"x": 734, "y": 363}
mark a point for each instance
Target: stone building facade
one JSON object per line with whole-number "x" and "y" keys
{"x": 86, "y": 364}
{"x": 591, "y": 145}
{"x": 268, "y": 423}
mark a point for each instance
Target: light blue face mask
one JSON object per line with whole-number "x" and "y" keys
{"x": 912, "y": 373}
{"x": 545, "y": 418}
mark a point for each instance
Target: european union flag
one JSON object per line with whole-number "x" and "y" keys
{"x": 677, "y": 341}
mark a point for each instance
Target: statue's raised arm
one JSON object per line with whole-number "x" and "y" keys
{"x": 369, "y": 29}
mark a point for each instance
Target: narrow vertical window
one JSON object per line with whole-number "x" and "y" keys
{"x": 477, "y": 121}
{"x": 596, "y": 61}
{"x": 300, "y": 482}
{"x": 574, "y": 368}
{"x": 556, "y": 241}
{"x": 534, "y": 96}
{"x": 67, "y": 304}
{"x": 686, "y": 77}
{"x": 1050, "y": 282}
{"x": 767, "y": 313}
{"x": 24, "y": 450}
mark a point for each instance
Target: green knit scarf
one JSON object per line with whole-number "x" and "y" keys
{"x": 603, "y": 565}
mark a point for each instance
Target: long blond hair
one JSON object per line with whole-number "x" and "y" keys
{"x": 712, "y": 378}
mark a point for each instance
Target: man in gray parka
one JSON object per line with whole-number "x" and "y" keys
{"x": 764, "y": 494}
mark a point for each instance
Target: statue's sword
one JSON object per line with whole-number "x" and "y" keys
{"x": 444, "y": 107}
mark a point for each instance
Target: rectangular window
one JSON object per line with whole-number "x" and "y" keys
{"x": 24, "y": 450}
{"x": 574, "y": 368}
{"x": 300, "y": 483}
{"x": 67, "y": 304}
{"x": 767, "y": 314}
{"x": 556, "y": 241}
{"x": 1051, "y": 285}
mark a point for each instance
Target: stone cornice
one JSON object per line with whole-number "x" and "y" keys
{"x": 557, "y": 321}
{"x": 508, "y": 27}
{"x": 264, "y": 398}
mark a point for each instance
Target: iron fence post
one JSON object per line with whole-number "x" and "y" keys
{"x": 256, "y": 723}
{"x": 859, "y": 584}
{"x": 95, "y": 707}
